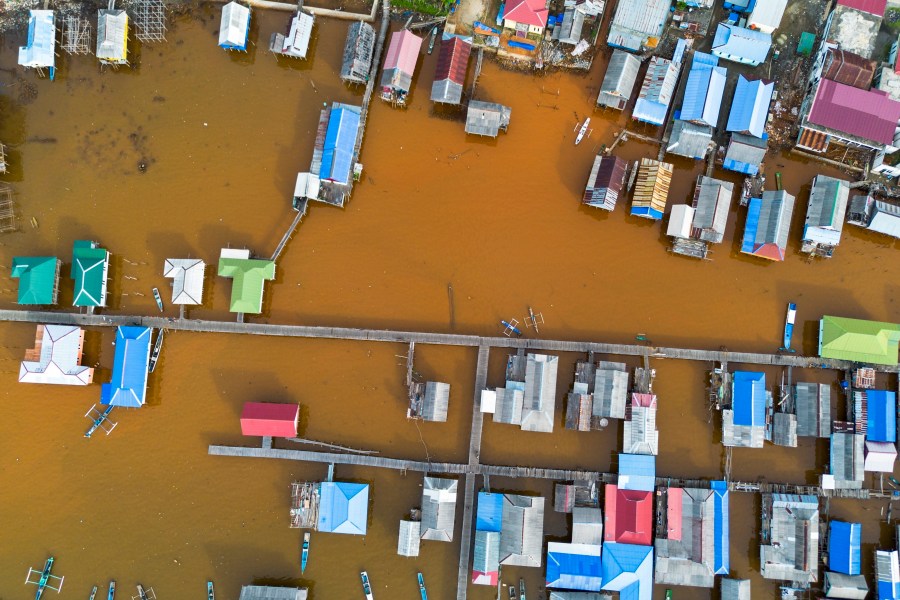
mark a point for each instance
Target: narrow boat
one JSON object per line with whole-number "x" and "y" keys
{"x": 789, "y": 326}
{"x": 111, "y": 595}
{"x": 433, "y": 38}
{"x": 582, "y": 131}
{"x": 521, "y": 589}
{"x": 93, "y": 593}
{"x": 422, "y": 591}
{"x": 99, "y": 420}
{"x": 512, "y": 592}
{"x": 304, "y": 553}
{"x": 157, "y": 348}
{"x": 511, "y": 327}
{"x": 158, "y": 299}
{"x": 367, "y": 587}
{"x": 45, "y": 580}
{"x": 210, "y": 592}
{"x": 668, "y": 594}
{"x": 142, "y": 594}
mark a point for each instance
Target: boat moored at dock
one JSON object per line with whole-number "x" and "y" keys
{"x": 789, "y": 327}
{"x": 366, "y": 585}
{"x": 210, "y": 592}
{"x": 422, "y": 590}
{"x": 304, "y": 552}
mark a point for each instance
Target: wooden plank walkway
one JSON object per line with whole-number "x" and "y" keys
{"x": 447, "y": 339}
{"x": 290, "y": 232}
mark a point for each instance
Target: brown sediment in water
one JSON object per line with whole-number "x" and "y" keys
{"x": 222, "y": 137}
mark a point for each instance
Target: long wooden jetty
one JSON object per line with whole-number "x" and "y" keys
{"x": 446, "y": 339}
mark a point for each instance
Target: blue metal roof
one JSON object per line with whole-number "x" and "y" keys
{"x": 637, "y": 472}
{"x": 750, "y": 228}
{"x": 340, "y": 139}
{"x": 888, "y": 590}
{"x": 628, "y": 569}
{"x": 750, "y": 107}
{"x": 844, "y": 541}
{"x": 882, "y": 426}
{"x": 722, "y": 526}
{"x": 649, "y": 111}
{"x": 703, "y": 94}
{"x": 128, "y": 386}
{"x": 748, "y": 398}
{"x": 490, "y": 512}
{"x": 343, "y": 507}
{"x": 741, "y": 167}
{"x": 702, "y": 58}
{"x": 740, "y": 44}
{"x": 574, "y": 567}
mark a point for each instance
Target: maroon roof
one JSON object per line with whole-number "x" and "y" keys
{"x": 846, "y": 67}
{"x": 868, "y": 114}
{"x": 453, "y": 60}
{"x": 876, "y": 7}
{"x": 611, "y": 174}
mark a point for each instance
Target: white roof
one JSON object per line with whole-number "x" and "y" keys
{"x": 233, "y": 28}
{"x": 112, "y": 32}
{"x": 187, "y": 276}
{"x": 488, "y": 401}
{"x": 886, "y": 219}
{"x": 767, "y": 13}
{"x": 307, "y": 186}
{"x": 41, "y": 48}
{"x": 297, "y": 41}
{"x": 880, "y": 456}
{"x": 234, "y": 253}
{"x": 680, "y": 220}
{"x": 60, "y": 351}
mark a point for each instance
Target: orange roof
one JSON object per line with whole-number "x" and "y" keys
{"x": 529, "y": 12}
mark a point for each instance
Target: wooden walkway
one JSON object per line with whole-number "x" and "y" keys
{"x": 447, "y": 339}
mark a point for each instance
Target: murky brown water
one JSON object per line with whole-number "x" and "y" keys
{"x": 223, "y": 137}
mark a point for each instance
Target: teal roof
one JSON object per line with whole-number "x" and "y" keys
{"x": 38, "y": 277}
{"x": 90, "y": 267}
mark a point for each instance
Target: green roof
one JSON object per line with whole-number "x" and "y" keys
{"x": 249, "y": 275}
{"x": 90, "y": 266}
{"x": 859, "y": 340}
{"x": 38, "y": 277}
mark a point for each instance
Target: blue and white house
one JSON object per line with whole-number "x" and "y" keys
{"x": 750, "y": 107}
{"x": 343, "y": 507}
{"x": 741, "y": 45}
{"x": 235, "y": 27}
{"x": 40, "y": 51}
{"x": 703, "y": 91}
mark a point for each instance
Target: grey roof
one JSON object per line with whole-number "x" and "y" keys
{"x": 838, "y": 585}
{"x": 618, "y": 83}
{"x": 610, "y": 390}
{"x": 689, "y": 560}
{"x": 813, "y": 402}
{"x": 827, "y": 203}
{"x": 439, "y": 508}
{"x": 540, "y": 393}
{"x": 846, "y": 460}
{"x": 409, "y": 539}
{"x": 486, "y": 556}
{"x": 587, "y": 525}
{"x": 487, "y": 118}
{"x": 746, "y": 149}
{"x": 792, "y": 553}
{"x": 357, "y": 60}
{"x": 784, "y": 429}
{"x": 268, "y": 592}
{"x": 689, "y": 140}
{"x": 112, "y": 29}
{"x": 397, "y": 79}
{"x": 775, "y": 217}
{"x": 743, "y": 436}
{"x": 578, "y": 411}
{"x": 437, "y": 401}
{"x": 509, "y": 406}
{"x": 735, "y": 589}
{"x": 446, "y": 91}
{"x": 570, "y": 30}
{"x": 522, "y": 533}
{"x": 555, "y": 595}
{"x": 712, "y": 203}
{"x": 640, "y": 433}
{"x": 884, "y": 218}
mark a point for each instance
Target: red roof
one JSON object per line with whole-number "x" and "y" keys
{"x": 868, "y": 114}
{"x": 453, "y": 61}
{"x": 529, "y": 12}
{"x": 265, "y": 419}
{"x": 629, "y": 516}
{"x": 673, "y": 513}
{"x": 648, "y": 400}
{"x": 876, "y": 7}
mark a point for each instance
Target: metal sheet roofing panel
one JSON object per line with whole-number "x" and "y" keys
{"x": 882, "y": 416}
{"x": 868, "y": 114}
{"x": 875, "y": 7}
{"x": 38, "y": 278}
{"x": 234, "y": 26}
{"x": 340, "y": 141}
{"x": 343, "y": 507}
{"x": 270, "y": 419}
{"x": 844, "y": 541}
{"x": 489, "y": 516}
{"x": 749, "y": 398}
{"x": 722, "y": 528}
{"x": 628, "y": 569}
{"x": 453, "y": 61}
{"x": 403, "y": 52}
{"x": 740, "y": 44}
{"x": 128, "y": 385}
{"x": 574, "y": 567}
{"x": 750, "y": 107}
{"x": 637, "y": 472}
{"x": 40, "y": 50}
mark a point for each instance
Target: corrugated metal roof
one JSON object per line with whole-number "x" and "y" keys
{"x": 403, "y": 52}
{"x": 249, "y": 276}
{"x": 487, "y": 118}
{"x": 749, "y": 398}
{"x": 605, "y": 182}
{"x": 628, "y": 569}
{"x": 439, "y": 508}
{"x": 574, "y": 566}
{"x": 409, "y": 539}
{"x": 651, "y": 190}
{"x": 640, "y": 435}
{"x": 848, "y": 68}
{"x": 766, "y": 14}
{"x": 629, "y": 515}
{"x": 38, "y": 278}
{"x": 838, "y": 585}
{"x": 486, "y": 557}
{"x": 450, "y": 73}
{"x": 587, "y": 525}
{"x": 58, "y": 361}
{"x": 657, "y": 90}
{"x": 784, "y": 429}
{"x": 637, "y": 472}
{"x": 768, "y": 224}
{"x": 112, "y": 36}
{"x": 690, "y": 140}
{"x": 825, "y": 212}
{"x": 610, "y": 390}
{"x": 436, "y": 402}
{"x": 40, "y": 50}
{"x": 489, "y": 516}
{"x": 793, "y": 549}
{"x": 357, "y": 58}
{"x": 885, "y": 218}
{"x": 703, "y": 94}
{"x": 846, "y": 460}
{"x": 267, "y": 592}
{"x": 618, "y": 82}
{"x": 750, "y": 107}
{"x": 529, "y": 12}
{"x": 868, "y": 114}
{"x": 712, "y": 204}
{"x": 735, "y": 589}
{"x": 270, "y": 419}
{"x": 680, "y": 218}
{"x": 844, "y": 541}
{"x": 187, "y": 279}
{"x": 745, "y": 153}
{"x": 859, "y": 340}
{"x": 740, "y": 44}
{"x": 296, "y": 42}
{"x": 90, "y": 267}
{"x": 569, "y": 32}
{"x": 128, "y": 384}
{"x": 875, "y": 7}
{"x": 887, "y": 574}
{"x": 882, "y": 416}
{"x": 539, "y": 402}
{"x": 522, "y": 532}
{"x": 638, "y": 23}
{"x": 813, "y": 406}
{"x": 343, "y": 507}
{"x": 340, "y": 141}
{"x": 234, "y": 26}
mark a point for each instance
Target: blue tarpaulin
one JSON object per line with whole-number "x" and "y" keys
{"x": 490, "y": 512}
{"x": 882, "y": 407}
{"x": 340, "y": 139}
{"x": 844, "y": 547}
{"x": 749, "y": 395}
{"x": 128, "y": 386}
{"x": 343, "y": 507}
{"x": 721, "y": 562}
{"x": 574, "y": 567}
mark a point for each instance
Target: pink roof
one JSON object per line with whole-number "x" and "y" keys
{"x": 265, "y": 419}
{"x": 868, "y": 114}
{"x": 629, "y": 516}
{"x": 530, "y": 12}
{"x": 403, "y": 52}
{"x": 489, "y": 578}
{"x": 876, "y": 7}
{"x": 648, "y": 400}
{"x": 673, "y": 513}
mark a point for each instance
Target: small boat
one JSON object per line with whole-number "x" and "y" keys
{"x": 433, "y": 38}
{"x": 158, "y": 299}
{"x": 893, "y": 480}
{"x": 668, "y": 594}
{"x": 93, "y": 593}
{"x": 582, "y": 131}
{"x": 111, "y": 595}
{"x": 422, "y": 591}
{"x": 304, "y": 553}
{"x": 789, "y": 326}
{"x": 45, "y": 580}
{"x": 210, "y": 592}
{"x": 512, "y": 592}
{"x": 99, "y": 420}
{"x": 510, "y": 328}
{"x": 367, "y": 587}
{"x": 521, "y": 589}
{"x": 147, "y": 594}
{"x": 157, "y": 348}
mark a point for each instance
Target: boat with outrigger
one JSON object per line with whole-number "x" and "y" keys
{"x": 582, "y": 131}
{"x": 789, "y": 327}
{"x": 45, "y": 580}
{"x": 100, "y": 420}
{"x": 210, "y": 592}
{"x": 366, "y": 585}
{"x": 144, "y": 594}
{"x": 304, "y": 553}
{"x": 422, "y": 591}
